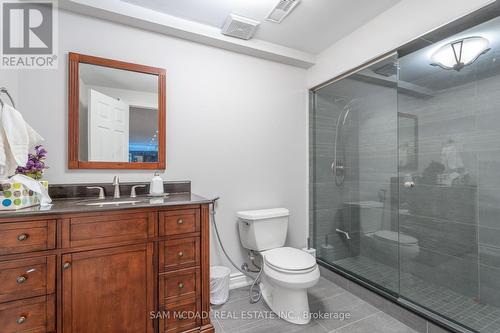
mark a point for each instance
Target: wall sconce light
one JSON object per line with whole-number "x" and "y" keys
{"x": 460, "y": 53}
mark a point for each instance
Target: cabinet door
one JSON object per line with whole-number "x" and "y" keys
{"x": 108, "y": 290}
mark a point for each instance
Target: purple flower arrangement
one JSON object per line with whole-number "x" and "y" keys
{"x": 35, "y": 165}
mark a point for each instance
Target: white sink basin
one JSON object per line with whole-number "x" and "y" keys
{"x": 104, "y": 203}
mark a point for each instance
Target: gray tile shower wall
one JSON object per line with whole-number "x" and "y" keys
{"x": 457, "y": 226}
{"x": 453, "y": 203}
{"x": 326, "y": 208}
{"x": 368, "y": 149}
{"x": 468, "y": 115}
{"x": 490, "y": 284}
{"x": 447, "y": 237}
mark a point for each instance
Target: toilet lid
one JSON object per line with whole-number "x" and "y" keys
{"x": 289, "y": 258}
{"x": 394, "y": 237}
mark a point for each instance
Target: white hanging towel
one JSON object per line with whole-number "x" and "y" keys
{"x": 17, "y": 139}
{"x": 3, "y": 154}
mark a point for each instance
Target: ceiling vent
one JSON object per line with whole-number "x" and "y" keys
{"x": 282, "y": 9}
{"x": 239, "y": 27}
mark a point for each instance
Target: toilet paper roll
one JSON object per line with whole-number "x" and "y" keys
{"x": 310, "y": 250}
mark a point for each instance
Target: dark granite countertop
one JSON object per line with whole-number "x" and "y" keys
{"x": 78, "y": 205}
{"x": 74, "y": 199}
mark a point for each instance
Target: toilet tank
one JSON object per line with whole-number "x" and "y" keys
{"x": 368, "y": 215}
{"x": 264, "y": 229}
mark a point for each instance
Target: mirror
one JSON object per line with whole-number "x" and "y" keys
{"x": 408, "y": 141}
{"x": 116, "y": 113}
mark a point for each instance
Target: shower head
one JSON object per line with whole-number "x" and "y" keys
{"x": 352, "y": 103}
{"x": 348, "y": 107}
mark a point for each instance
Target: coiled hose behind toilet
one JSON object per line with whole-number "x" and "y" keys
{"x": 255, "y": 294}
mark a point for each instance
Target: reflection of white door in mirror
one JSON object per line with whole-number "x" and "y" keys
{"x": 117, "y": 114}
{"x": 108, "y": 129}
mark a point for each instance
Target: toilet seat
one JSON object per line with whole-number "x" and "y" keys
{"x": 289, "y": 259}
{"x": 395, "y": 238}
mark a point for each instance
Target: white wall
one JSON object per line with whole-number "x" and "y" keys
{"x": 236, "y": 125}
{"x": 395, "y": 27}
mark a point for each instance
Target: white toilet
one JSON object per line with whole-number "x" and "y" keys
{"x": 372, "y": 226}
{"x": 287, "y": 272}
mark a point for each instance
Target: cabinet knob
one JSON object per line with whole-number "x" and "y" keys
{"x": 21, "y": 320}
{"x": 21, "y": 279}
{"x": 66, "y": 265}
{"x": 180, "y": 254}
{"x": 22, "y": 237}
{"x": 181, "y": 285}
{"x": 180, "y": 221}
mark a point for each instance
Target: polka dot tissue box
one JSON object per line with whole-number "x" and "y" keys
{"x": 16, "y": 196}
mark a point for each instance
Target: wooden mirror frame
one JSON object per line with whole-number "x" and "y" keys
{"x": 74, "y": 162}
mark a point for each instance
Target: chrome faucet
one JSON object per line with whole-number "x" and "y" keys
{"x": 132, "y": 191}
{"x": 116, "y": 184}
{"x": 101, "y": 191}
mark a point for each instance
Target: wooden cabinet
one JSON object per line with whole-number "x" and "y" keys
{"x": 31, "y": 315}
{"x": 177, "y": 222}
{"x": 184, "y": 283}
{"x": 180, "y": 267}
{"x": 27, "y": 278}
{"x": 106, "y": 229}
{"x": 19, "y": 237}
{"x": 180, "y": 316}
{"x": 108, "y": 288}
{"x": 135, "y": 270}
{"x": 179, "y": 253}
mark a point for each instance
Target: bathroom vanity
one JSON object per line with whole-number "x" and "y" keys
{"x": 84, "y": 265}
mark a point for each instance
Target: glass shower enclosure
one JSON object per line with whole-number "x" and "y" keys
{"x": 405, "y": 176}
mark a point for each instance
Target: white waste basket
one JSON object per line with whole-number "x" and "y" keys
{"x": 219, "y": 284}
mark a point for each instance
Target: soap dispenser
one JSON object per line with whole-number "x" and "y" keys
{"x": 156, "y": 185}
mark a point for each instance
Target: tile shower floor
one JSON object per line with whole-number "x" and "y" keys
{"x": 466, "y": 310}
{"x": 238, "y": 315}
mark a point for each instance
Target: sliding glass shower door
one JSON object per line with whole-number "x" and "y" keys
{"x": 451, "y": 200}
{"x": 405, "y": 164}
{"x": 355, "y": 163}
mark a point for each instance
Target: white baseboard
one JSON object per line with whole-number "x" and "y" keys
{"x": 239, "y": 280}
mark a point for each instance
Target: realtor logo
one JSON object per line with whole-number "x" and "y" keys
{"x": 29, "y": 34}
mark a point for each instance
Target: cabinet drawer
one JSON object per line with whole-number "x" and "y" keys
{"x": 106, "y": 229}
{"x": 179, "y": 222}
{"x": 180, "y": 316}
{"x": 33, "y": 315}
{"x": 184, "y": 283}
{"x": 179, "y": 253}
{"x": 20, "y": 237}
{"x": 27, "y": 278}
